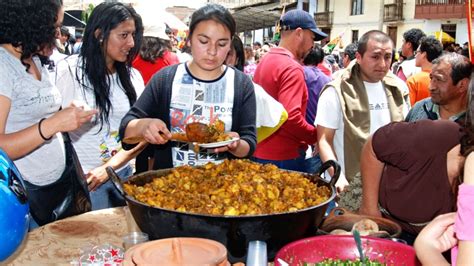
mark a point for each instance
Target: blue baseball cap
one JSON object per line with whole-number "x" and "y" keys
{"x": 297, "y": 18}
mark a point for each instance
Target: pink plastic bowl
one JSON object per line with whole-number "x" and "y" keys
{"x": 319, "y": 248}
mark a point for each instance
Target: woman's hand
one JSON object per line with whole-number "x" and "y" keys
{"x": 436, "y": 238}
{"x": 152, "y": 130}
{"x": 96, "y": 177}
{"x": 68, "y": 119}
{"x": 239, "y": 148}
{"x": 155, "y": 131}
{"x": 231, "y": 146}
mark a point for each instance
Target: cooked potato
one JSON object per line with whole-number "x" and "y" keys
{"x": 365, "y": 227}
{"x": 234, "y": 187}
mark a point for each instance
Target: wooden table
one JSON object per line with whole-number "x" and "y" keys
{"x": 61, "y": 242}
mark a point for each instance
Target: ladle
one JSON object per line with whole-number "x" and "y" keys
{"x": 195, "y": 132}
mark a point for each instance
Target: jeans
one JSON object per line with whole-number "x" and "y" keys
{"x": 313, "y": 164}
{"x": 297, "y": 164}
{"x": 107, "y": 196}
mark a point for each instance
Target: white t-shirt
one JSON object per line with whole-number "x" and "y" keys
{"x": 330, "y": 115}
{"x": 32, "y": 100}
{"x": 95, "y": 147}
{"x": 195, "y": 100}
{"x": 409, "y": 67}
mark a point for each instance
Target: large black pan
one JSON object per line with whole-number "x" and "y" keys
{"x": 235, "y": 232}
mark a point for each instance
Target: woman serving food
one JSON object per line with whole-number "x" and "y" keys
{"x": 202, "y": 90}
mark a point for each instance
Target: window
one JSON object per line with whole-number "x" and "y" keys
{"x": 356, "y": 7}
{"x": 355, "y": 36}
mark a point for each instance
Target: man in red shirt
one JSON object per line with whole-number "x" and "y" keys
{"x": 282, "y": 76}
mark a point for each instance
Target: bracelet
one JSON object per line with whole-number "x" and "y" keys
{"x": 41, "y": 133}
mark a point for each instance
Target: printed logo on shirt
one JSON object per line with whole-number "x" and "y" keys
{"x": 109, "y": 145}
{"x": 196, "y": 101}
{"x": 378, "y": 106}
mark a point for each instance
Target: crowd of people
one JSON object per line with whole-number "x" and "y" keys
{"x": 405, "y": 127}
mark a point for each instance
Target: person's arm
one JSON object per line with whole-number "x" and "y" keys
{"x": 465, "y": 247}
{"x": 97, "y": 176}
{"x": 142, "y": 121}
{"x": 152, "y": 130}
{"x": 328, "y": 121}
{"x": 327, "y": 152}
{"x": 371, "y": 170}
{"x": 436, "y": 238}
{"x": 20, "y": 143}
{"x": 325, "y": 143}
{"x": 412, "y": 88}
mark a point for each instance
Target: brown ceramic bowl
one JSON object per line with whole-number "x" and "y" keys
{"x": 178, "y": 251}
{"x": 340, "y": 218}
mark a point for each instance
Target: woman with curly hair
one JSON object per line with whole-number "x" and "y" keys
{"x": 101, "y": 76}
{"x": 30, "y": 123}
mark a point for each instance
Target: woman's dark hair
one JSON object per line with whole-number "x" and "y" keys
{"x": 238, "y": 47}
{"x": 213, "y": 12}
{"x": 153, "y": 48}
{"x": 467, "y": 141}
{"x": 29, "y": 24}
{"x": 106, "y": 17}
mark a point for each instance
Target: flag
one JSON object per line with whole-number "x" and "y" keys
{"x": 277, "y": 35}
{"x": 329, "y": 47}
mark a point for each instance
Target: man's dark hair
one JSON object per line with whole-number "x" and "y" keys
{"x": 375, "y": 35}
{"x": 413, "y": 36}
{"x": 65, "y": 31}
{"x": 257, "y": 44}
{"x": 432, "y": 47}
{"x": 461, "y": 67}
{"x": 315, "y": 56}
{"x": 351, "y": 50}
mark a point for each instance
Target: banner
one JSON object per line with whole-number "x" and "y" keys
{"x": 334, "y": 43}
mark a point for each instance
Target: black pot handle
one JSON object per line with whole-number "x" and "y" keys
{"x": 337, "y": 170}
{"x": 115, "y": 180}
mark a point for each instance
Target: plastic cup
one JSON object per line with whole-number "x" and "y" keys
{"x": 134, "y": 238}
{"x": 257, "y": 254}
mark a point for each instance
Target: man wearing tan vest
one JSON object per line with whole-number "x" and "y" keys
{"x": 365, "y": 97}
